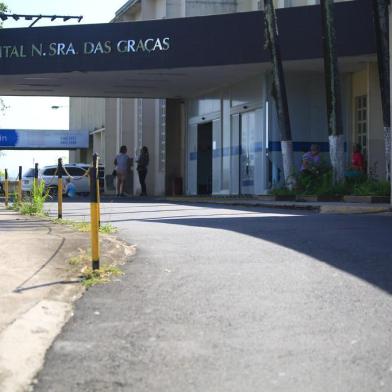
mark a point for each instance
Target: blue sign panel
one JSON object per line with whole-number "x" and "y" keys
{"x": 8, "y": 138}
{"x": 43, "y": 139}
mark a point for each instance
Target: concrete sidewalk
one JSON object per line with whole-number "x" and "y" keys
{"x": 321, "y": 207}
{"x": 37, "y": 288}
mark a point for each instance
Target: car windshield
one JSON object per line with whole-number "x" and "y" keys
{"x": 29, "y": 173}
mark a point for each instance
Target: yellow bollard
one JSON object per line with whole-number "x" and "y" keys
{"x": 35, "y": 184}
{"x": 94, "y": 213}
{"x": 6, "y": 187}
{"x": 98, "y": 195}
{"x": 20, "y": 185}
{"x": 60, "y": 189}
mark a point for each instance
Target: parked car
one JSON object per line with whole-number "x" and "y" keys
{"x": 27, "y": 180}
{"x": 77, "y": 171}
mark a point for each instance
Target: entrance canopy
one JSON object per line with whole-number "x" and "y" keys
{"x": 170, "y": 58}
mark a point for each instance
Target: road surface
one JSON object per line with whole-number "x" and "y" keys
{"x": 233, "y": 299}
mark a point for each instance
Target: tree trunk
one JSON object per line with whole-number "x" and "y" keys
{"x": 333, "y": 93}
{"x": 279, "y": 92}
{"x": 381, "y": 25}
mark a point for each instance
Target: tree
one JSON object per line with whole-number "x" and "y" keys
{"x": 381, "y": 25}
{"x": 333, "y": 92}
{"x": 279, "y": 91}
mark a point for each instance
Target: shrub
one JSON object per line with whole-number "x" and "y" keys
{"x": 319, "y": 183}
{"x": 371, "y": 187}
{"x": 35, "y": 206}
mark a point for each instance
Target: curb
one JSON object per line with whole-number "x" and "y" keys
{"x": 321, "y": 208}
{"x": 325, "y": 209}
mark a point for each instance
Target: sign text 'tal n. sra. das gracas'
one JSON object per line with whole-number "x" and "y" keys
{"x": 130, "y": 46}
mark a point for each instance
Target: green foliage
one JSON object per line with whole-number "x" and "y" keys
{"x": 283, "y": 192}
{"x": 319, "y": 183}
{"x": 35, "y": 206}
{"x": 85, "y": 227}
{"x": 107, "y": 228}
{"x": 371, "y": 187}
{"x": 99, "y": 276}
{"x": 83, "y": 258}
{"x": 15, "y": 201}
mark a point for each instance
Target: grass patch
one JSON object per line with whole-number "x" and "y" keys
{"x": 91, "y": 277}
{"x": 107, "y": 228}
{"x": 35, "y": 204}
{"x": 102, "y": 275}
{"x": 82, "y": 259}
{"x": 85, "y": 227}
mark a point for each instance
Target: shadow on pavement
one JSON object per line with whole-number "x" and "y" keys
{"x": 360, "y": 245}
{"x": 48, "y": 284}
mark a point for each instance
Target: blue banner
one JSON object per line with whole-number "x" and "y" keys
{"x": 43, "y": 139}
{"x": 8, "y": 138}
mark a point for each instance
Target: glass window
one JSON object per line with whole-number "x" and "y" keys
{"x": 29, "y": 173}
{"x": 75, "y": 171}
{"x": 361, "y": 122}
{"x": 49, "y": 172}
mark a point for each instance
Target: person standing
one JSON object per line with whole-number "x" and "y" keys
{"x": 141, "y": 168}
{"x": 357, "y": 160}
{"x": 122, "y": 162}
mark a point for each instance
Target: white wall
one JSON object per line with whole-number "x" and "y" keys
{"x": 85, "y": 113}
{"x": 211, "y": 7}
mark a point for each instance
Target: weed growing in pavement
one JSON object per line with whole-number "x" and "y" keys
{"x": 35, "y": 206}
{"x": 15, "y": 202}
{"x": 107, "y": 228}
{"x": 85, "y": 227}
{"x": 102, "y": 275}
{"x": 82, "y": 259}
{"x": 92, "y": 277}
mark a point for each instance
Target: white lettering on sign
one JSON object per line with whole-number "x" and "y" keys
{"x": 127, "y": 46}
{"x": 147, "y": 45}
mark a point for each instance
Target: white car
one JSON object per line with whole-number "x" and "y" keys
{"x": 77, "y": 172}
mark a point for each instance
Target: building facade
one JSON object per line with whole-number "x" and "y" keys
{"x": 225, "y": 140}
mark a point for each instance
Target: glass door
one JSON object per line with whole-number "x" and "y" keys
{"x": 247, "y": 153}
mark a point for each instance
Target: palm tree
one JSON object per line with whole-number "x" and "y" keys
{"x": 279, "y": 91}
{"x": 333, "y": 92}
{"x": 381, "y": 25}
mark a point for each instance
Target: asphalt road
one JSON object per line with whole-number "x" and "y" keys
{"x": 234, "y": 299}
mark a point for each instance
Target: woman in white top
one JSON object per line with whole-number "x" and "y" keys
{"x": 122, "y": 162}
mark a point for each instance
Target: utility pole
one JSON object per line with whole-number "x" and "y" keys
{"x": 381, "y": 26}
{"x": 279, "y": 91}
{"x": 333, "y": 92}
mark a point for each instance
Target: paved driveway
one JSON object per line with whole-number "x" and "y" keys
{"x": 234, "y": 299}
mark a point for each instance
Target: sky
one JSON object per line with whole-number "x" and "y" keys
{"x": 37, "y": 112}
